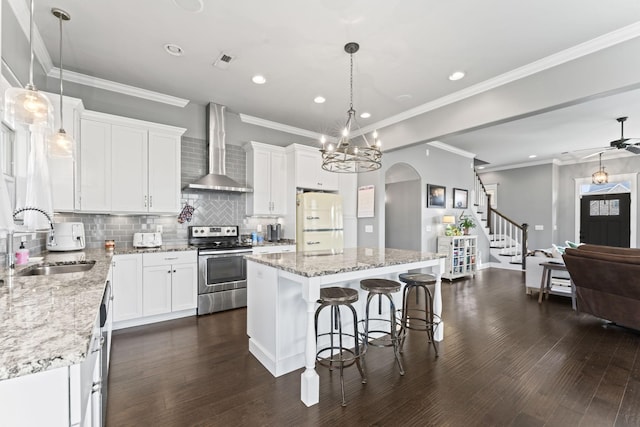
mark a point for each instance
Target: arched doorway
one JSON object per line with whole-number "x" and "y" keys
{"x": 403, "y": 203}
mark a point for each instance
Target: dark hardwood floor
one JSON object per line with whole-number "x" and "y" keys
{"x": 505, "y": 361}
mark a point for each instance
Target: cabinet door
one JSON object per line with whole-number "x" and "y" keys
{"x": 278, "y": 183}
{"x": 184, "y": 287}
{"x": 164, "y": 173}
{"x": 309, "y": 172}
{"x": 127, "y": 287}
{"x": 95, "y": 166}
{"x": 156, "y": 290}
{"x": 129, "y": 162}
{"x": 261, "y": 183}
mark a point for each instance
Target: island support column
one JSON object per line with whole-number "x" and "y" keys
{"x": 438, "y": 329}
{"x": 309, "y": 380}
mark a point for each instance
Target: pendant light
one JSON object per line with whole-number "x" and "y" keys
{"x": 600, "y": 176}
{"x": 60, "y": 144}
{"x": 351, "y": 154}
{"x": 28, "y": 106}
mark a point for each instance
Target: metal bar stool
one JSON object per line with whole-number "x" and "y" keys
{"x": 390, "y": 337}
{"x": 336, "y": 352}
{"x": 419, "y": 318}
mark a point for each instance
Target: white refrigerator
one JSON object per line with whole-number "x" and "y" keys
{"x": 319, "y": 222}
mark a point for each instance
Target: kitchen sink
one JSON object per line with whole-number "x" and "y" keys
{"x": 57, "y": 268}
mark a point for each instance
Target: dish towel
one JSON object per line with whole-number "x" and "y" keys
{"x": 186, "y": 214}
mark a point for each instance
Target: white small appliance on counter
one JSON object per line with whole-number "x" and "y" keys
{"x": 67, "y": 236}
{"x": 147, "y": 240}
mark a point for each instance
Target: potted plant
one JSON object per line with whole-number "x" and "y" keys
{"x": 466, "y": 223}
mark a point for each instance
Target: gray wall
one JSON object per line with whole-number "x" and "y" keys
{"x": 525, "y": 196}
{"x": 437, "y": 167}
{"x": 402, "y": 215}
{"x": 545, "y": 195}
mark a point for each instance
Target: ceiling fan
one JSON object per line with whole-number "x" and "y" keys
{"x": 630, "y": 144}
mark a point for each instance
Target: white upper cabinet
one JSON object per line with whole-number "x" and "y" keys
{"x": 129, "y": 169}
{"x": 62, "y": 171}
{"x": 308, "y": 169}
{"x": 164, "y": 172}
{"x": 267, "y": 175}
{"x": 95, "y": 166}
{"x": 128, "y": 166}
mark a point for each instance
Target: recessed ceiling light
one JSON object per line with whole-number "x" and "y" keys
{"x": 532, "y": 156}
{"x": 173, "y": 49}
{"x": 319, "y": 100}
{"x": 194, "y": 6}
{"x": 365, "y": 115}
{"x": 258, "y": 79}
{"x": 480, "y": 167}
{"x": 456, "y": 75}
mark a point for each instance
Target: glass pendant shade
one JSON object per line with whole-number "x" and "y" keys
{"x": 60, "y": 145}
{"x": 600, "y": 176}
{"x": 27, "y": 106}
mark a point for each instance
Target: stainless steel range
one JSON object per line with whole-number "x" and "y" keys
{"x": 222, "y": 271}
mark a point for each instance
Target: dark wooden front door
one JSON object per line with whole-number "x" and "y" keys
{"x": 605, "y": 219}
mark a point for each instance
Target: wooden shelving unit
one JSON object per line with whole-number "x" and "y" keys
{"x": 461, "y": 255}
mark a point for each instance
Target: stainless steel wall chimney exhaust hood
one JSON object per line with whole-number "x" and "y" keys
{"x": 216, "y": 179}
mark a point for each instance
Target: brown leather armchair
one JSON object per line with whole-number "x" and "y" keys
{"x": 607, "y": 282}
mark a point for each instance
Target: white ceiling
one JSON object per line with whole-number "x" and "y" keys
{"x": 408, "y": 49}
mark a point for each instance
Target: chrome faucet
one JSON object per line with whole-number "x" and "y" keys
{"x": 11, "y": 261}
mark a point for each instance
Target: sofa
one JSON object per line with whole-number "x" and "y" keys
{"x": 607, "y": 282}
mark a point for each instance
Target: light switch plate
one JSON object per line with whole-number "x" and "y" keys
{"x": 539, "y": 227}
{"x": 368, "y": 228}
{"x": 158, "y": 228}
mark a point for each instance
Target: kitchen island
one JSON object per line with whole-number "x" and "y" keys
{"x": 282, "y": 294}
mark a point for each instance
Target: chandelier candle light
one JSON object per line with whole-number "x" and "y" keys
{"x": 600, "y": 176}
{"x": 60, "y": 144}
{"x": 352, "y": 153}
{"x": 28, "y": 106}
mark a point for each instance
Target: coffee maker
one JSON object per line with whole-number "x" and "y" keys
{"x": 274, "y": 232}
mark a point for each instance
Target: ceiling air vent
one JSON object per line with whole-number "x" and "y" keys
{"x": 223, "y": 61}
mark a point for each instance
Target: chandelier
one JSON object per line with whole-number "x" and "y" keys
{"x": 28, "y": 106}
{"x": 60, "y": 144}
{"x": 600, "y": 176}
{"x": 352, "y": 153}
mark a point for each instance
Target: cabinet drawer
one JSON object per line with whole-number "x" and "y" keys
{"x": 164, "y": 258}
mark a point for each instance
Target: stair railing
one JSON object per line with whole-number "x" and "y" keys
{"x": 504, "y": 232}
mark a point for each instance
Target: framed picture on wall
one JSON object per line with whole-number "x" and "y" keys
{"x": 460, "y": 198}
{"x": 436, "y": 196}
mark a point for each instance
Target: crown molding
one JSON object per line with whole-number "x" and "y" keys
{"x": 583, "y": 49}
{"x": 280, "y": 127}
{"x": 451, "y": 149}
{"x": 112, "y": 86}
{"x": 21, "y": 11}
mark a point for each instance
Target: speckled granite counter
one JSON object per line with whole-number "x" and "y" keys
{"x": 47, "y": 321}
{"x": 163, "y": 248}
{"x": 312, "y": 264}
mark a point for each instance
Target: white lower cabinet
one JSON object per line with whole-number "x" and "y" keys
{"x": 169, "y": 282}
{"x": 127, "y": 287}
{"x": 153, "y": 287}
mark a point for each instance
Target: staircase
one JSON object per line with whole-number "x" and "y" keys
{"x": 507, "y": 238}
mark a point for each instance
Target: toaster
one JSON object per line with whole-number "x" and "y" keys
{"x": 147, "y": 240}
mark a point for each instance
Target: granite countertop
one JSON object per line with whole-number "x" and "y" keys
{"x": 47, "y": 321}
{"x": 163, "y": 248}
{"x": 311, "y": 264}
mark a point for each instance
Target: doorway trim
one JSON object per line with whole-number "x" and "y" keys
{"x": 633, "y": 179}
